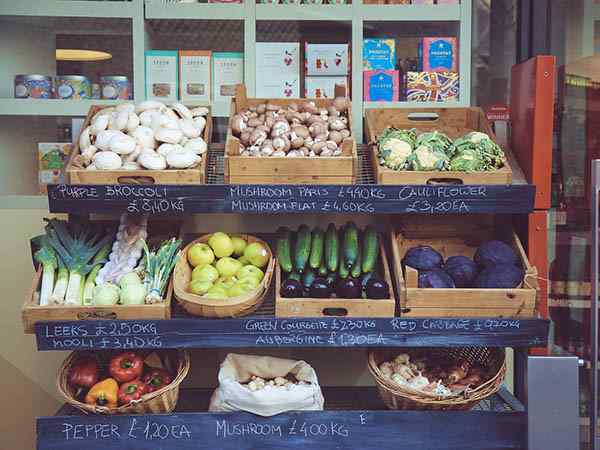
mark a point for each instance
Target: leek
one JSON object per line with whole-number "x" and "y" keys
{"x": 90, "y": 281}
{"x": 60, "y": 288}
{"x": 159, "y": 264}
{"x": 76, "y": 249}
{"x": 47, "y": 258}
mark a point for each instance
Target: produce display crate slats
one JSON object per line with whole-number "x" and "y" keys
{"x": 195, "y": 175}
{"x": 239, "y": 169}
{"x": 346, "y": 307}
{"x": 455, "y": 122}
{"x": 458, "y": 238}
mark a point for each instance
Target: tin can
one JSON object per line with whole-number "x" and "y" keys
{"x": 33, "y": 86}
{"x": 96, "y": 91}
{"x": 73, "y": 87}
{"x": 115, "y": 87}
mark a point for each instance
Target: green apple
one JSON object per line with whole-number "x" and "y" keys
{"x": 227, "y": 266}
{"x": 200, "y": 255}
{"x": 257, "y": 254}
{"x": 250, "y": 270}
{"x": 239, "y": 245}
{"x": 200, "y": 287}
{"x": 249, "y": 281}
{"x": 216, "y": 292}
{"x": 225, "y": 283}
{"x": 221, "y": 244}
{"x": 205, "y": 273}
{"x": 238, "y": 289}
{"x": 242, "y": 259}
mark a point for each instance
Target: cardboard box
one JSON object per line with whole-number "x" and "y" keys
{"x": 381, "y": 85}
{"x": 322, "y": 87}
{"x": 379, "y": 54}
{"x": 439, "y": 54}
{"x": 194, "y": 75}
{"x": 52, "y": 159}
{"x": 432, "y": 86}
{"x": 278, "y": 69}
{"x": 228, "y": 71}
{"x": 161, "y": 75}
{"x": 326, "y": 59}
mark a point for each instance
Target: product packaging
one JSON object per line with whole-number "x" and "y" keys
{"x": 194, "y": 75}
{"x": 432, "y": 86}
{"x": 379, "y": 54}
{"x": 277, "y": 69}
{"x": 439, "y": 54}
{"x": 422, "y": 2}
{"x": 381, "y": 85}
{"x": 52, "y": 159}
{"x": 322, "y": 87}
{"x": 228, "y": 71}
{"x": 326, "y": 59}
{"x": 448, "y": 2}
{"x": 161, "y": 75}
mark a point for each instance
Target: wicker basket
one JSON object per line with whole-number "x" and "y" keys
{"x": 161, "y": 401}
{"x": 217, "y": 307}
{"x": 397, "y": 397}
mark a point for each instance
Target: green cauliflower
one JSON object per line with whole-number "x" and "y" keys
{"x": 427, "y": 158}
{"x": 467, "y": 160}
{"x": 491, "y": 155}
{"x": 436, "y": 140}
{"x": 395, "y": 146}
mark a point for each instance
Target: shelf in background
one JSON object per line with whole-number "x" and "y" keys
{"x": 304, "y": 12}
{"x": 49, "y": 107}
{"x": 70, "y": 8}
{"x": 354, "y": 418}
{"x": 406, "y": 13}
{"x": 195, "y": 11}
{"x": 364, "y": 198}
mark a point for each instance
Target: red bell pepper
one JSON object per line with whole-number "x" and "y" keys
{"x": 156, "y": 379}
{"x": 127, "y": 366}
{"x": 131, "y": 391}
{"x": 84, "y": 374}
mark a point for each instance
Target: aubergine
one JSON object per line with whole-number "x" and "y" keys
{"x": 377, "y": 288}
{"x": 348, "y": 288}
{"x": 320, "y": 288}
{"x": 291, "y": 288}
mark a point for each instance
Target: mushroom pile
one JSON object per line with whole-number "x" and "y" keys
{"x": 433, "y": 377}
{"x": 258, "y": 383}
{"x": 295, "y": 130}
{"x": 149, "y": 135}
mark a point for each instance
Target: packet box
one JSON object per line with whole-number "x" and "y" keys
{"x": 379, "y": 54}
{"x": 323, "y": 87}
{"x": 277, "y": 69}
{"x": 439, "y": 54}
{"x": 432, "y": 86}
{"x": 161, "y": 75}
{"x": 52, "y": 159}
{"x": 381, "y": 85}
{"x": 228, "y": 71}
{"x": 194, "y": 75}
{"x": 326, "y": 59}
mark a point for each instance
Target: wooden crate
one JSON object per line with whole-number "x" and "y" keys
{"x": 344, "y": 307}
{"x": 456, "y": 238}
{"x": 195, "y": 175}
{"x": 32, "y": 312}
{"x": 341, "y": 169}
{"x": 455, "y": 122}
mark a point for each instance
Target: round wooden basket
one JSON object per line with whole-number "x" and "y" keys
{"x": 163, "y": 400}
{"x": 216, "y": 307}
{"x": 402, "y": 398}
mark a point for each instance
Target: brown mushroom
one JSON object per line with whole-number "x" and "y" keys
{"x": 238, "y": 124}
{"x": 305, "y": 150}
{"x": 306, "y": 116}
{"x": 245, "y": 137}
{"x": 318, "y": 147}
{"x": 336, "y": 123}
{"x": 321, "y": 137}
{"x": 301, "y": 131}
{"x": 280, "y": 127}
{"x": 261, "y": 108}
{"x": 272, "y": 107}
{"x": 345, "y": 133}
{"x": 263, "y": 127}
{"x": 258, "y": 137}
{"x": 310, "y": 107}
{"x": 317, "y": 129}
{"x": 335, "y": 136}
{"x": 331, "y": 145}
{"x": 296, "y": 141}
{"x": 281, "y": 143}
{"x": 269, "y": 121}
{"x": 293, "y": 107}
{"x": 254, "y": 122}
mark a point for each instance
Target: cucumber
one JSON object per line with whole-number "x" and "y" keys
{"x": 343, "y": 270}
{"x": 307, "y": 278}
{"x": 356, "y": 267}
{"x": 370, "y": 252}
{"x": 302, "y": 250}
{"x": 331, "y": 248}
{"x": 323, "y": 267}
{"x": 295, "y": 276}
{"x": 284, "y": 248}
{"x": 350, "y": 244}
{"x": 316, "y": 249}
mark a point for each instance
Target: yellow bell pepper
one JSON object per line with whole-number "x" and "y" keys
{"x": 103, "y": 393}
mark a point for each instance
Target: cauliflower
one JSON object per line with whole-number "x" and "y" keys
{"x": 476, "y": 137}
{"x": 395, "y": 152}
{"x": 467, "y": 160}
{"x": 427, "y": 158}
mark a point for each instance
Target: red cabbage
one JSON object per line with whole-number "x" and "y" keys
{"x": 492, "y": 253}
{"x": 422, "y": 257}
{"x": 435, "y": 278}
{"x": 462, "y": 270}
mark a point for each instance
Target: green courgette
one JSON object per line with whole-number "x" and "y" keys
{"x": 284, "y": 248}
{"x": 356, "y": 267}
{"x": 331, "y": 248}
{"x": 316, "y": 250}
{"x": 350, "y": 246}
{"x": 302, "y": 249}
{"x": 370, "y": 251}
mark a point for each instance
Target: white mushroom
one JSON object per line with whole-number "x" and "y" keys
{"x": 182, "y": 110}
{"x": 190, "y": 128}
{"x": 107, "y": 161}
{"x": 163, "y": 121}
{"x": 146, "y": 117}
{"x": 148, "y": 105}
{"x": 144, "y": 136}
{"x": 118, "y": 121}
{"x": 103, "y": 112}
{"x": 104, "y": 137}
{"x": 99, "y": 124}
{"x": 169, "y": 135}
{"x": 132, "y": 122}
{"x": 199, "y": 111}
{"x": 165, "y": 149}
{"x": 152, "y": 160}
{"x": 200, "y": 123}
{"x": 170, "y": 113}
{"x": 122, "y": 144}
{"x": 88, "y": 153}
{"x": 180, "y": 158}
{"x": 197, "y": 145}
{"x": 84, "y": 138}
{"x": 132, "y": 157}
{"x": 129, "y": 107}
{"x": 131, "y": 165}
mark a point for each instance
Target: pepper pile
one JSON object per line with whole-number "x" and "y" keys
{"x": 126, "y": 380}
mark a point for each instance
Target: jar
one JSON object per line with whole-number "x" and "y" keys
{"x": 96, "y": 91}
{"x": 33, "y": 86}
{"x": 73, "y": 87}
{"x": 115, "y": 87}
